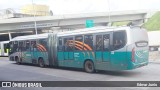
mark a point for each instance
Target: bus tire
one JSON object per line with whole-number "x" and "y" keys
{"x": 41, "y": 62}
{"x": 89, "y": 66}
{"x": 17, "y": 60}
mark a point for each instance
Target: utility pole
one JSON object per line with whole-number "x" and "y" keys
{"x": 35, "y": 23}
{"x": 109, "y": 15}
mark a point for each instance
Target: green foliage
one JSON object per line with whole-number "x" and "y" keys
{"x": 120, "y": 23}
{"x": 153, "y": 23}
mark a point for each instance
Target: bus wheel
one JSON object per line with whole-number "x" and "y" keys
{"x": 41, "y": 62}
{"x": 89, "y": 66}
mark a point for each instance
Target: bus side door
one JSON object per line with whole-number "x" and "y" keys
{"x": 106, "y": 47}
{"x": 26, "y": 55}
{"x": 68, "y": 51}
{"x": 102, "y": 53}
{"x": 65, "y": 52}
{"x": 20, "y": 49}
{"x": 33, "y": 51}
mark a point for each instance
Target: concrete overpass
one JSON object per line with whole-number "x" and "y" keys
{"x": 70, "y": 21}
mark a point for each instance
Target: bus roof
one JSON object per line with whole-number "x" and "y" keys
{"x": 74, "y": 32}
{"x": 30, "y": 37}
{"x": 91, "y": 30}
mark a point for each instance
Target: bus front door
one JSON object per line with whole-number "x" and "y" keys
{"x": 26, "y": 54}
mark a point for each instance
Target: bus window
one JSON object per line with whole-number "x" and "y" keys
{"x": 24, "y": 46}
{"x": 88, "y": 42}
{"x": 106, "y": 43}
{"x": 79, "y": 42}
{"x": 27, "y": 45}
{"x": 33, "y": 45}
{"x": 119, "y": 39}
{"x": 43, "y": 42}
{"x": 69, "y": 45}
{"x": 15, "y": 46}
{"x": 11, "y": 47}
{"x": 60, "y": 47}
{"x": 0, "y": 49}
{"x": 20, "y": 46}
{"x": 98, "y": 42}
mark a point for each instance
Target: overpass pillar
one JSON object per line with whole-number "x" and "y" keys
{"x": 109, "y": 24}
{"x": 10, "y": 36}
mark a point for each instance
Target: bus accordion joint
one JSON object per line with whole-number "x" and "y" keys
{"x": 133, "y": 55}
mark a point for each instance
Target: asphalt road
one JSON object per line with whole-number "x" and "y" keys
{"x": 9, "y": 71}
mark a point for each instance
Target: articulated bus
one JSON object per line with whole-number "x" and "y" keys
{"x": 97, "y": 48}
{"x": 4, "y": 48}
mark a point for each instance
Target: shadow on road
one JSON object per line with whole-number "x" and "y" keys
{"x": 127, "y": 73}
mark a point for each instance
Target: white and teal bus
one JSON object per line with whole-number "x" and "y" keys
{"x": 4, "y": 48}
{"x": 97, "y": 48}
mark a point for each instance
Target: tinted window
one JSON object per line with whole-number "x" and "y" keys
{"x": 43, "y": 43}
{"x": 106, "y": 40}
{"x": 20, "y": 46}
{"x": 79, "y": 42}
{"x": 88, "y": 42}
{"x": 33, "y": 45}
{"x": 119, "y": 39}
{"x": 60, "y": 41}
{"x": 99, "y": 42}
{"x": 15, "y": 46}
{"x": 27, "y": 48}
{"x": 11, "y": 46}
{"x": 60, "y": 46}
{"x": 68, "y": 44}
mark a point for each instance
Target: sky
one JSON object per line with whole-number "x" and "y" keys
{"x": 60, "y": 7}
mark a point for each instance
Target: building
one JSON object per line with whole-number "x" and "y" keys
{"x": 38, "y": 10}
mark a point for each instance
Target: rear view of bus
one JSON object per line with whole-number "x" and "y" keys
{"x": 137, "y": 48}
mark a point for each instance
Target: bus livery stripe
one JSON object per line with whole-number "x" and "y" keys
{"x": 85, "y": 45}
{"x": 81, "y": 50}
{"x": 44, "y": 49}
{"x": 39, "y": 48}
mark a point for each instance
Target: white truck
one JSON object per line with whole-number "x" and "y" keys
{"x": 154, "y": 40}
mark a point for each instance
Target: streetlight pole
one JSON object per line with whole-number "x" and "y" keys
{"x": 35, "y": 23}
{"x": 109, "y": 16}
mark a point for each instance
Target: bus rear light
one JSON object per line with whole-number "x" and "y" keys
{"x": 133, "y": 55}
